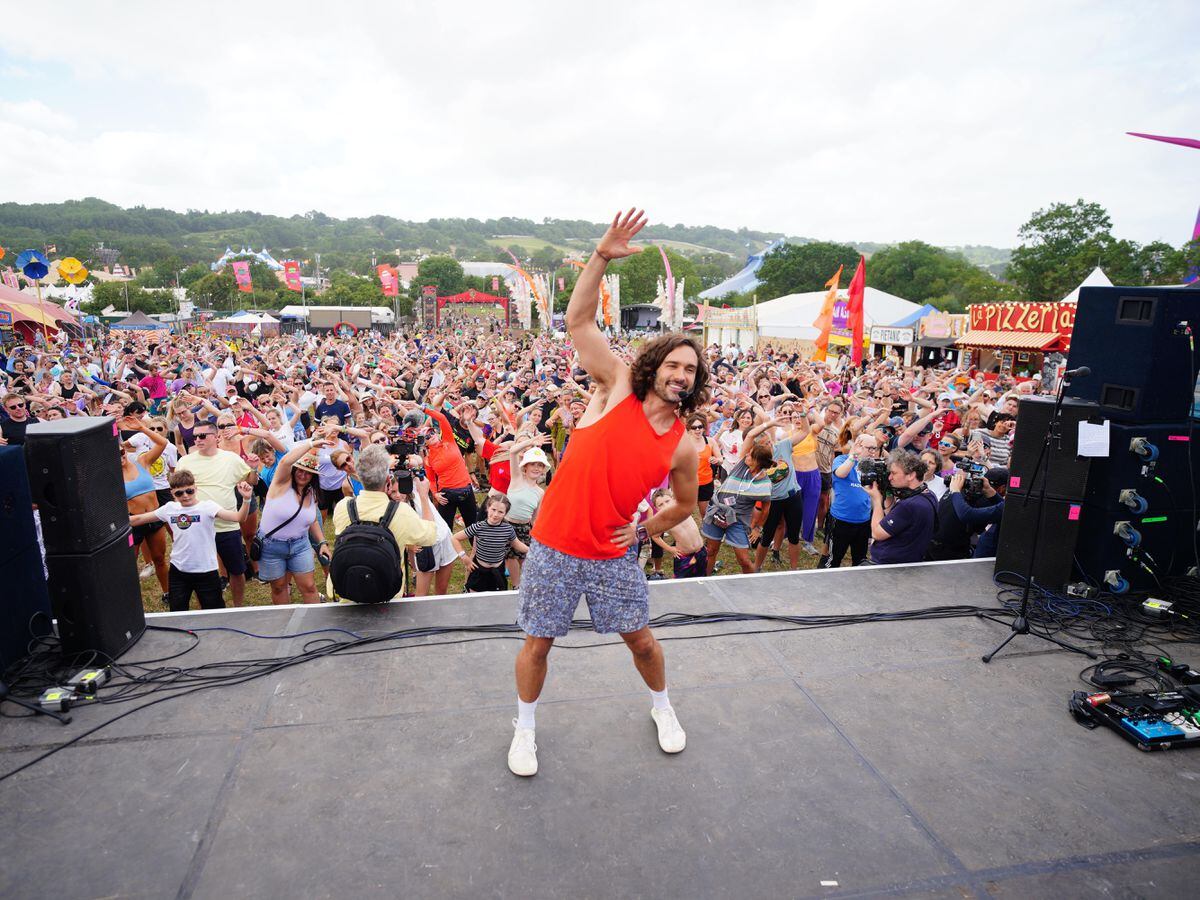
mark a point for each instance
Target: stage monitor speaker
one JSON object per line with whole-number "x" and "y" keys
{"x": 1066, "y": 472}
{"x": 75, "y": 477}
{"x": 1056, "y": 549}
{"x": 1138, "y": 343}
{"x": 1141, "y": 549}
{"x": 97, "y": 598}
{"x": 24, "y": 603}
{"x": 1152, "y": 466}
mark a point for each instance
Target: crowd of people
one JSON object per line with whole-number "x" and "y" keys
{"x": 241, "y": 459}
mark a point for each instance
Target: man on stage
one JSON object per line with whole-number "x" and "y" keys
{"x": 584, "y": 540}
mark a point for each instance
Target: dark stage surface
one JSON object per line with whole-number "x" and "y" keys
{"x": 880, "y": 759}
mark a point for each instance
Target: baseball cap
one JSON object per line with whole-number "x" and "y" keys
{"x": 997, "y": 476}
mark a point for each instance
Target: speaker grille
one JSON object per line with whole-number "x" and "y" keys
{"x": 75, "y": 477}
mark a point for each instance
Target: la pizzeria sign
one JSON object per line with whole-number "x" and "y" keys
{"x": 1056, "y": 318}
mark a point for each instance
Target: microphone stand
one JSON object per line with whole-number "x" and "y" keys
{"x": 1020, "y": 625}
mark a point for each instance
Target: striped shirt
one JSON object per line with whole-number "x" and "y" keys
{"x": 491, "y": 542}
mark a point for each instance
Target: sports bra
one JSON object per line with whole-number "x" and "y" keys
{"x": 143, "y": 484}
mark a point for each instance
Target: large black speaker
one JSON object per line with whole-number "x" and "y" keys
{"x": 97, "y": 598}
{"x": 1066, "y": 472}
{"x": 1055, "y": 550}
{"x": 75, "y": 476}
{"x": 1136, "y": 342}
{"x": 24, "y": 604}
{"x": 1147, "y": 465}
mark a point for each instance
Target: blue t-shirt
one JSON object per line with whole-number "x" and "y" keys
{"x": 339, "y": 408}
{"x": 910, "y": 522}
{"x": 850, "y": 502}
{"x": 782, "y": 452}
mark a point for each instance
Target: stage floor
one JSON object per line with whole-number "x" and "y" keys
{"x": 880, "y": 759}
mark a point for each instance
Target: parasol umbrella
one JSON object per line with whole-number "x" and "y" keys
{"x": 72, "y": 270}
{"x": 35, "y": 267}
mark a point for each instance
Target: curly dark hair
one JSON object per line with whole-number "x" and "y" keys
{"x": 650, "y": 357}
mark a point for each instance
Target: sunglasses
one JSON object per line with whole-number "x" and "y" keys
{"x": 946, "y": 444}
{"x": 156, "y": 428}
{"x": 378, "y": 440}
{"x": 696, "y": 428}
{"x": 15, "y": 406}
{"x": 183, "y": 492}
{"x": 203, "y": 434}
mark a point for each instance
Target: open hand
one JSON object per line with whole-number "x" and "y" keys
{"x": 615, "y": 243}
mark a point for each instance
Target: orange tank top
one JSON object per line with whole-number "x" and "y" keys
{"x": 704, "y": 474}
{"x": 609, "y": 467}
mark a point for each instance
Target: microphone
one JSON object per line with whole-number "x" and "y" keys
{"x": 684, "y": 393}
{"x": 1081, "y": 372}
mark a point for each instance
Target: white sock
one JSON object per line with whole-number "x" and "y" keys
{"x": 525, "y": 713}
{"x": 660, "y": 699}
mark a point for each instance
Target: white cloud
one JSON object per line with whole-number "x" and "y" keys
{"x": 854, "y": 120}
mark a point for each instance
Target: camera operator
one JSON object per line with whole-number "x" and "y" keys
{"x": 406, "y": 526}
{"x": 904, "y": 530}
{"x": 986, "y": 514}
{"x": 953, "y": 534}
{"x": 849, "y": 522}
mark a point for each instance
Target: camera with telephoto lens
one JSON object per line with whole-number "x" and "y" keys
{"x": 874, "y": 471}
{"x": 973, "y": 485}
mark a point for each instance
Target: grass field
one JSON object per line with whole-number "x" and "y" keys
{"x": 259, "y": 594}
{"x": 528, "y": 243}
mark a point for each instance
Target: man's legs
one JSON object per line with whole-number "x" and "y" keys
{"x": 531, "y": 667}
{"x": 647, "y": 656}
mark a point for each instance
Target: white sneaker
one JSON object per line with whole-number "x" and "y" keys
{"x": 146, "y": 571}
{"x": 522, "y": 752}
{"x": 671, "y": 736}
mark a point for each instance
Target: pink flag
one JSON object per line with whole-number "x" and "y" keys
{"x": 495, "y": 282}
{"x": 241, "y": 274}
{"x": 388, "y": 279}
{"x": 291, "y": 275}
{"x": 562, "y": 284}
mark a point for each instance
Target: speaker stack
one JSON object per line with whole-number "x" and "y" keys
{"x": 75, "y": 480}
{"x": 25, "y": 605}
{"x": 1127, "y": 520}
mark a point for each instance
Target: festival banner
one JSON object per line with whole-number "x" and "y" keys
{"x": 10, "y": 278}
{"x": 562, "y": 283}
{"x": 855, "y": 314}
{"x": 495, "y": 283}
{"x": 824, "y": 322}
{"x": 241, "y": 273}
{"x": 389, "y": 278}
{"x": 291, "y": 275}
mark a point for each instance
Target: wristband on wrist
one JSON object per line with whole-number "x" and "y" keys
{"x": 607, "y": 259}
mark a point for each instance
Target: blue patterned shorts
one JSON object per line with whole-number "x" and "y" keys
{"x": 553, "y": 582}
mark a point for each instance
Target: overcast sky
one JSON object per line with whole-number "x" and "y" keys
{"x": 948, "y": 122}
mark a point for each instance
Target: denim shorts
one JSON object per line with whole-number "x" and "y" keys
{"x": 553, "y": 582}
{"x": 280, "y": 557}
{"x": 735, "y": 535}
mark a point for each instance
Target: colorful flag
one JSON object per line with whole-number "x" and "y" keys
{"x": 562, "y": 283}
{"x": 388, "y": 278}
{"x": 291, "y": 275}
{"x": 858, "y": 288}
{"x": 10, "y": 278}
{"x": 241, "y": 274}
{"x": 495, "y": 283}
{"x": 824, "y": 322}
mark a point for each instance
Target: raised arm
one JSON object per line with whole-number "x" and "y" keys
{"x": 593, "y": 348}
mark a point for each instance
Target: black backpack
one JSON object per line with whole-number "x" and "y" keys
{"x": 366, "y": 559}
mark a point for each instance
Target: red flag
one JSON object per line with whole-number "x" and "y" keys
{"x": 241, "y": 273}
{"x": 388, "y": 278}
{"x": 858, "y": 287}
{"x": 291, "y": 275}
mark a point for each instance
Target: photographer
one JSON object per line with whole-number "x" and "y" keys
{"x": 953, "y": 534}
{"x": 372, "y": 503}
{"x": 849, "y": 522}
{"x": 986, "y": 514}
{"x": 904, "y": 530}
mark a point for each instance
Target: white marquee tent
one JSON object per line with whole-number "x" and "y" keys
{"x": 793, "y": 316}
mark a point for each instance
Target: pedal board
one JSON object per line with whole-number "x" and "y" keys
{"x": 1151, "y": 720}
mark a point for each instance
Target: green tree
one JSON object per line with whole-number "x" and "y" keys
{"x": 546, "y": 258}
{"x": 444, "y": 272}
{"x": 640, "y": 273}
{"x": 192, "y": 274}
{"x": 347, "y": 289}
{"x": 800, "y": 268}
{"x": 213, "y": 291}
{"x": 922, "y": 273}
{"x": 1059, "y": 246}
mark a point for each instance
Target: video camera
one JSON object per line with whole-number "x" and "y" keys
{"x": 409, "y": 439}
{"x": 973, "y": 486}
{"x": 874, "y": 471}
